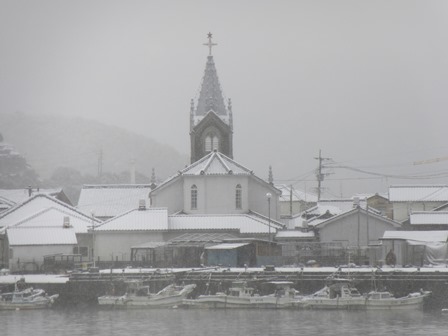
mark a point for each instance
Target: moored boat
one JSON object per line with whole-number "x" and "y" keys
{"x": 28, "y": 298}
{"x": 385, "y": 300}
{"x": 241, "y": 295}
{"x": 139, "y": 296}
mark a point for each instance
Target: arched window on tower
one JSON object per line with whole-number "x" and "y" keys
{"x": 211, "y": 142}
{"x": 194, "y": 197}
{"x": 238, "y": 197}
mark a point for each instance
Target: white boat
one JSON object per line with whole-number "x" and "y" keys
{"x": 344, "y": 296}
{"x": 139, "y": 296}
{"x": 240, "y": 295}
{"x": 28, "y": 298}
{"x": 385, "y": 300}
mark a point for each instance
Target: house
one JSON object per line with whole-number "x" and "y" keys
{"x": 428, "y": 220}
{"x": 407, "y": 199}
{"x": 12, "y": 197}
{"x": 42, "y": 213}
{"x": 106, "y": 201}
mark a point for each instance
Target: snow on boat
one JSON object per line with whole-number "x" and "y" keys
{"x": 28, "y": 298}
{"x": 240, "y": 295}
{"x": 385, "y": 300}
{"x": 139, "y": 296}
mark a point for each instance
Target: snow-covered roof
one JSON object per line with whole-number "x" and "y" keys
{"x": 41, "y": 236}
{"x": 297, "y": 195}
{"x": 34, "y": 205}
{"x": 148, "y": 219}
{"x": 418, "y": 193}
{"x": 294, "y": 234}
{"x": 226, "y": 246}
{"x": 422, "y": 236}
{"x": 54, "y": 217}
{"x": 112, "y": 199}
{"x": 429, "y": 217}
{"x": 244, "y": 223}
{"x": 21, "y": 195}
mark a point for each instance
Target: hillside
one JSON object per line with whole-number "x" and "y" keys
{"x": 48, "y": 142}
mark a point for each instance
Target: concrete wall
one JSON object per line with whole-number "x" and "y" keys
{"x": 112, "y": 245}
{"x": 28, "y": 258}
{"x": 403, "y": 209}
{"x": 258, "y": 201}
{"x": 169, "y": 197}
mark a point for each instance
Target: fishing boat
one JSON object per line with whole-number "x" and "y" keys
{"x": 241, "y": 295}
{"x": 28, "y": 298}
{"x": 343, "y": 295}
{"x": 139, "y": 296}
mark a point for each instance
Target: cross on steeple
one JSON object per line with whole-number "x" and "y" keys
{"x": 210, "y": 45}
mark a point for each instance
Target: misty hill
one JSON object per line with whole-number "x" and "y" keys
{"x": 48, "y": 142}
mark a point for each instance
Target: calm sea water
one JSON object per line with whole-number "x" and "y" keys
{"x": 191, "y": 322}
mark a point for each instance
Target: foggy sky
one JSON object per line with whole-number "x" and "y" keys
{"x": 364, "y": 81}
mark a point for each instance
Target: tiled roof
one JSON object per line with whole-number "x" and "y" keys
{"x": 246, "y": 223}
{"x": 41, "y": 236}
{"x": 149, "y": 219}
{"x": 34, "y": 205}
{"x": 54, "y": 217}
{"x": 418, "y": 236}
{"x": 418, "y": 193}
{"x": 112, "y": 200}
{"x": 297, "y": 195}
{"x": 21, "y": 195}
{"x": 429, "y": 218}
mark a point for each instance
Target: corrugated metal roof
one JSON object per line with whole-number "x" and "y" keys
{"x": 226, "y": 246}
{"x": 150, "y": 219}
{"x": 418, "y": 193}
{"x": 112, "y": 200}
{"x": 429, "y": 217}
{"x": 245, "y": 223}
{"x": 423, "y": 236}
{"x": 41, "y": 236}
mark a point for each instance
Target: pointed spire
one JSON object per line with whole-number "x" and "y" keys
{"x": 153, "y": 179}
{"x": 191, "y": 115}
{"x": 229, "y": 108}
{"x": 271, "y": 176}
{"x": 210, "y": 96}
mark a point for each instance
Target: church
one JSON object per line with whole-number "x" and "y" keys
{"x": 214, "y": 183}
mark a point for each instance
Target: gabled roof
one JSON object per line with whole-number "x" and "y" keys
{"x": 429, "y": 218}
{"x": 41, "y": 236}
{"x": 149, "y": 219}
{"x": 54, "y": 217}
{"x": 210, "y": 96}
{"x": 372, "y": 213}
{"x": 110, "y": 200}
{"x": 244, "y": 223}
{"x": 418, "y": 193}
{"x": 297, "y": 195}
{"x": 17, "y": 196}
{"x": 35, "y": 204}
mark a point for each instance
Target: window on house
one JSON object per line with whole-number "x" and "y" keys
{"x": 238, "y": 197}
{"x": 194, "y": 197}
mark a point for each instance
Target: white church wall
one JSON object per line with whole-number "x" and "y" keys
{"x": 258, "y": 201}
{"x": 170, "y": 197}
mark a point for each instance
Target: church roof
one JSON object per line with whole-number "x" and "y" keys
{"x": 210, "y": 96}
{"x": 215, "y": 163}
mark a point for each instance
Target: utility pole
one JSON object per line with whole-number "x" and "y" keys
{"x": 319, "y": 175}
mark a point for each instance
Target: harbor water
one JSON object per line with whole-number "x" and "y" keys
{"x": 189, "y": 322}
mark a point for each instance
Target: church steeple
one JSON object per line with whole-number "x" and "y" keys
{"x": 211, "y": 124}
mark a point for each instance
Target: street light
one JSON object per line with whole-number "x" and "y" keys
{"x": 268, "y": 197}
{"x": 93, "y": 238}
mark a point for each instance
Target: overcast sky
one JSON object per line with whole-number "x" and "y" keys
{"x": 364, "y": 81}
